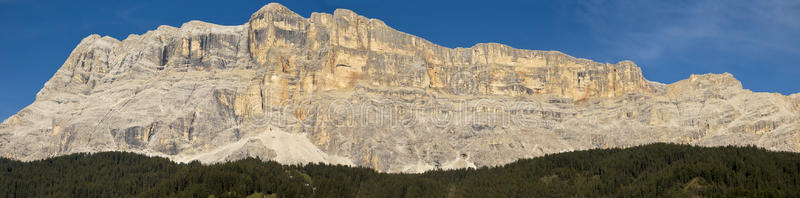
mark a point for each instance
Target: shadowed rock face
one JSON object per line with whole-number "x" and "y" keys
{"x": 341, "y": 88}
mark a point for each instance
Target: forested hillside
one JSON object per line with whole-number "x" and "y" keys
{"x": 650, "y": 170}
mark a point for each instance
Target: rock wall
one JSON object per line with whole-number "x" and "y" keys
{"x": 341, "y": 88}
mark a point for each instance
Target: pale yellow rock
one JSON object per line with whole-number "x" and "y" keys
{"x": 342, "y": 88}
{"x": 249, "y": 101}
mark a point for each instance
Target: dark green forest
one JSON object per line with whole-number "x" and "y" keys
{"x": 655, "y": 170}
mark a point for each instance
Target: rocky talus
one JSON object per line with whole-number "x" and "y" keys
{"x": 341, "y": 88}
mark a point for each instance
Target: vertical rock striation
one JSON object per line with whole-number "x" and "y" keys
{"x": 342, "y": 88}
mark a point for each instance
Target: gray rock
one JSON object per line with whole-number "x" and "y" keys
{"x": 341, "y": 88}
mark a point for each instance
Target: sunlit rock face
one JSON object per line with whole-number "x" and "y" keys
{"x": 341, "y": 88}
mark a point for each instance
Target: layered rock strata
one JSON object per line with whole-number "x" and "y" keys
{"x": 342, "y": 88}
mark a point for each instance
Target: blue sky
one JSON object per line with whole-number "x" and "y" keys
{"x": 757, "y": 41}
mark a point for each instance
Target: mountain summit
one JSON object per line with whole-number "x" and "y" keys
{"x": 341, "y": 88}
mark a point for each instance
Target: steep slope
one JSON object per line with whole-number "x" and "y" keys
{"x": 341, "y": 88}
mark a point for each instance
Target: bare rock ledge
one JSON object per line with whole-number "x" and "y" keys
{"x": 341, "y": 88}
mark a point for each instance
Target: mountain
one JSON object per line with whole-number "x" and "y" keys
{"x": 344, "y": 89}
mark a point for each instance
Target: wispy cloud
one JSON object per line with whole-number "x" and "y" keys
{"x": 650, "y": 30}
{"x": 128, "y": 14}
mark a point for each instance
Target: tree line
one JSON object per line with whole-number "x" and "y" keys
{"x": 655, "y": 170}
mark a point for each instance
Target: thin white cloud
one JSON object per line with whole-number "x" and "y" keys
{"x": 651, "y": 30}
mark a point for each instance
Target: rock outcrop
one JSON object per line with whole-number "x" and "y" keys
{"x": 342, "y": 88}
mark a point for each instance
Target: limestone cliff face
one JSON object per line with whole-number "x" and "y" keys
{"x": 341, "y": 88}
{"x": 344, "y": 51}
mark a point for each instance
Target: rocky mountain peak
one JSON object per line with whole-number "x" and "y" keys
{"x": 273, "y": 9}
{"x": 723, "y": 83}
{"x": 342, "y": 88}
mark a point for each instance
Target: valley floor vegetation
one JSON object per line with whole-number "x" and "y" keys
{"x": 655, "y": 170}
